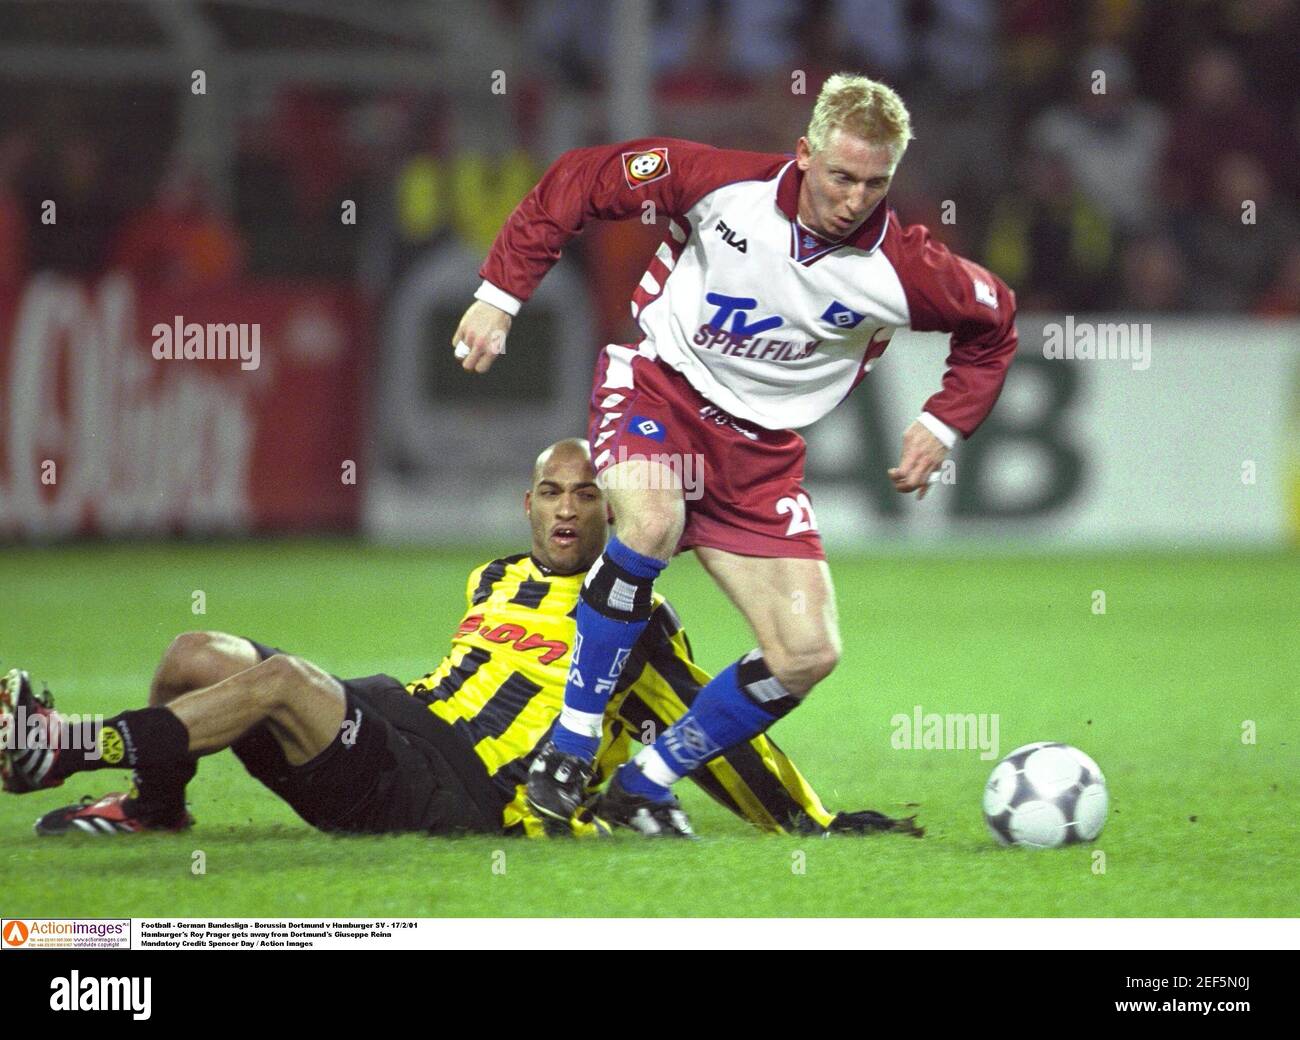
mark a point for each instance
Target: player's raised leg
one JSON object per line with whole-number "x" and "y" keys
{"x": 193, "y": 661}
{"x": 649, "y": 513}
{"x": 302, "y": 706}
{"x": 790, "y": 604}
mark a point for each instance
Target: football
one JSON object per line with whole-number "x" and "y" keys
{"x": 1045, "y": 794}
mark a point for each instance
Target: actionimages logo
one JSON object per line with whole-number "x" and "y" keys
{"x": 93, "y": 993}
{"x": 15, "y": 933}
{"x": 65, "y": 934}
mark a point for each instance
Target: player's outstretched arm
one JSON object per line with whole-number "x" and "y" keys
{"x": 649, "y": 177}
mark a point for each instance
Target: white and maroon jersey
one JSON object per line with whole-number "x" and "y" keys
{"x": 766, "y": 319}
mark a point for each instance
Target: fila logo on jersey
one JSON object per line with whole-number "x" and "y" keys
{"x": 729, "y": 236}
{"x": 643, "y": 167}
{"x": 841, "y": 317}
{"x": 985, "y": 294}
{"x": 647, "y": 428}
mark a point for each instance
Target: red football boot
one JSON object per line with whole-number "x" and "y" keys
{"x": 108, "y": 815}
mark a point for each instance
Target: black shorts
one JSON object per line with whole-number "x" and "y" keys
{"x": 394, "y": 767}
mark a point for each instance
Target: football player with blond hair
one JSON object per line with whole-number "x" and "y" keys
{"x": 778, "y": 284}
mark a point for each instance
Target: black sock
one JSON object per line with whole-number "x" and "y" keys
{"x": 158, "y": 792}
{"x": 144, "y": 738}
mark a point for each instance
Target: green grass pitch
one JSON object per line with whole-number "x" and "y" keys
{"x": 1157, "y": 689}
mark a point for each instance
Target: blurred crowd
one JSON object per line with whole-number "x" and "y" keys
{"x": 1139, "y": 155}
{"x": 96, "y": 180}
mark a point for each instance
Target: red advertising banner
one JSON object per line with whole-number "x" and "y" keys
{"x": 130, "y": 410}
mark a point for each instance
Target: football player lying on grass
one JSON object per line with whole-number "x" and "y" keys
{"x": 447, "y": 753}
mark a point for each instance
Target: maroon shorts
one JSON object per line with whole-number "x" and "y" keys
{"x": 743, "y": 483}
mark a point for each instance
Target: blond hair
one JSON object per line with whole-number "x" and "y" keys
{"x": 862, "y": 107}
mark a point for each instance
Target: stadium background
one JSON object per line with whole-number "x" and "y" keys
{"x": 335, "y": 173}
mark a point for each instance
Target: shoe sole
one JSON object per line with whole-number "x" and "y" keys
{"x": 100, "y": 828}
{"x": 620, "y": 822}
{"x": 94, "y": 826}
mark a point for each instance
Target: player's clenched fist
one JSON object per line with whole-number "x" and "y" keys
{"x": 481, "y": 336}
{"x": 923, "y": 454}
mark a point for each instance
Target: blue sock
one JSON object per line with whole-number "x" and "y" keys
{"x": 613, "y": 610}
{"x": 736, "y": 705}
{"x": 635, "y": 781}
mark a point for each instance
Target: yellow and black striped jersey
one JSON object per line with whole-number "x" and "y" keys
{"x": 501, "y": 688}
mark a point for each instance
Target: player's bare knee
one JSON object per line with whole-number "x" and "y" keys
{"x": 655, "y": 528}
{"x": 801, "y": 668}
{"x": 194, "y": 660}
{"x": 649, "y": 510}
{"x": 185, "y": 649}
